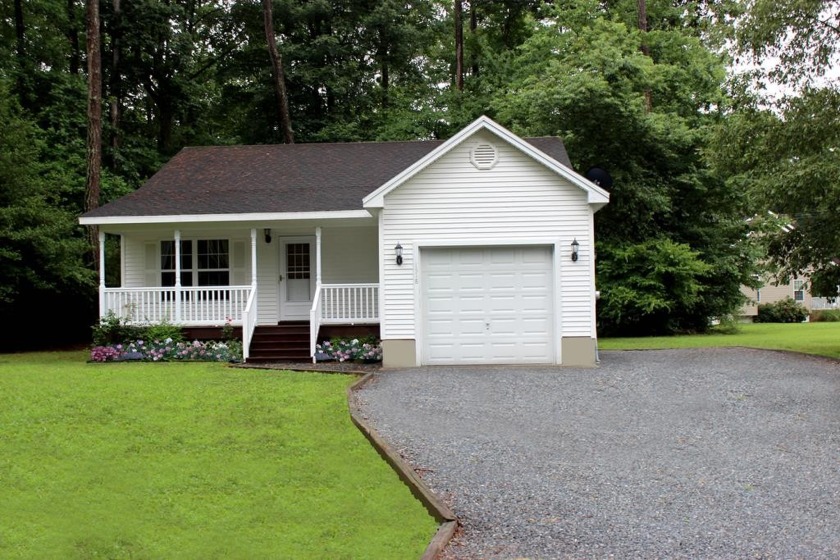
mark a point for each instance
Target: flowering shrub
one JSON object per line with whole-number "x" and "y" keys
{"x": 169, "y": 350}
{"x": 347, "y": 350}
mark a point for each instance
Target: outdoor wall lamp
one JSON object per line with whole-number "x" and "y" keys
{"x": 267, "y": 233}
{"x": 575, "y": 247}
{"x": 398, "y": 251}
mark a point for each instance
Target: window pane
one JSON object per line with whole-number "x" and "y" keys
{"x": 186, "y": 255}
{"x": 212, "y": 254}
{"x": 167, "y": 256}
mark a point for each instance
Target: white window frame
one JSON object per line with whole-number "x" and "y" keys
{"x": 799, "y": 290}
{"x": 193, "y": 271}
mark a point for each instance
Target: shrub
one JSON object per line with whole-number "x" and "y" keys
{"x": 114, "y": 330}
{"x": 826, "y": 315}
{"x": 783, "y": 311}
{"x": 162, "y": 331}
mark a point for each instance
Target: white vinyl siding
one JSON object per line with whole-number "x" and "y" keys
{"x": 349, "y": 255}
{"x": 518, "y": 201}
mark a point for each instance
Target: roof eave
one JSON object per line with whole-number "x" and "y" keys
{"x": 227, "y": 218}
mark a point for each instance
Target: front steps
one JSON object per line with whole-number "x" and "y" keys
{"x": 285, "y": 342}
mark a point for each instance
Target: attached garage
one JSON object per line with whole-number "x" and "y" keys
{"x": 487, "y": 305}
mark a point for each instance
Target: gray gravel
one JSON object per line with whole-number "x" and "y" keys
{"x": 712, "y": 453}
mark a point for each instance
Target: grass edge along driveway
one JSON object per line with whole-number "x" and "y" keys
{"x": 821, "y": 339}
{"x": 192, "y": 460}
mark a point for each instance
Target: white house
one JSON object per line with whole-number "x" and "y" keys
{"x": 476, "y": 250}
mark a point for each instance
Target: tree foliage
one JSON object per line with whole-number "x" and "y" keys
{"x": 639, "y": 100}
{"x": 586, "y": 79}
{"x": 804, "y": 35}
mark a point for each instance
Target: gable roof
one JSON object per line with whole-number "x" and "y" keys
{"x": 214, "y": 181}
{"x": 596, "y": 196}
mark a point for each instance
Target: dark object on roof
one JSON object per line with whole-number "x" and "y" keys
{"x": 278, "y": 178}
{"x": 600, "y": 177}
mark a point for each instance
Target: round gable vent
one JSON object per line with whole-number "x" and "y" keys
{"x": 484, "y": 156}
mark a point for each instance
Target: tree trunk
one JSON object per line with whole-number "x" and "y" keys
{"x": 115, "y": 86}
{"x": 279, "y": 77}
{"x": 459, "y": 46}
{"x": 94, "y": 118}
{"x": 643, "y": 27}
{"x": 473, "y": 30}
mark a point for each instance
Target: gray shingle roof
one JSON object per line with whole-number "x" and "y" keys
{"x": 278, "y": 178}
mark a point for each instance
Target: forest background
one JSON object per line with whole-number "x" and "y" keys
{"x": 96, "y": 95}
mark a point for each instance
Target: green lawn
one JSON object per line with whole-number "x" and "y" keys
{"x": 191, "y": 460}
{"x": 822, "y": 339}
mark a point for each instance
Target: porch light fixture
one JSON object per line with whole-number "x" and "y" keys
{"x": 398, "y": 251}
{"x": 267, "y": 233}
{"x": 575, "y": 247}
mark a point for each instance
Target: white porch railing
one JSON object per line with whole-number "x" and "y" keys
{"x": 343, "y": 304}
{"x": 349, "y": 304}
{"x": 825, "y": 303}
{"x": 196, "y": 305}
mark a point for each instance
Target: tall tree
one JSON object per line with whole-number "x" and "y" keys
{"x": 582, "y": 76}
{"x": 457, "y": 12}
{"x": 93, "y": 183}
{"x": 277, "y": 73}
{"x": 787, "y": 156}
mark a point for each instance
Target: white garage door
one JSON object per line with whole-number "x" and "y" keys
{"x": 487, "y": 305}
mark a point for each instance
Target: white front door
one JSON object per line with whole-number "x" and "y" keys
{"x": 487, "y": 305}
{"x": 297, "y": 277}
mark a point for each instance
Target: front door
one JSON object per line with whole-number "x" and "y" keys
{"x": 297, "y": 285}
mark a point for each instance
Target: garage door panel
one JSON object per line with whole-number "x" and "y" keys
{"x": 487, "y": 305}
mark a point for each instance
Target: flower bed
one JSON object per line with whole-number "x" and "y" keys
{"x": 168, "y": 350}
{"x": 349, "y": 350}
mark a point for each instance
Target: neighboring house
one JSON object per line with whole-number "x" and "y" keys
{"x": 476, "y": 250}
{"x": 796, "y": 289}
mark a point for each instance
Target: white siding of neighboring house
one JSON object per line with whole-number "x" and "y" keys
{"x": 451, "y": 202}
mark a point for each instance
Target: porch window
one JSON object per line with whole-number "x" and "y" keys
{"x": 167, "y": 263}
{"x": 204, "y": 262}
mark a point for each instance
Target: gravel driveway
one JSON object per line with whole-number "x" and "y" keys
{"x": 712, "y": 453}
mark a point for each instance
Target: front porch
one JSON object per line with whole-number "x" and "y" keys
{"x": 281, "y": 288}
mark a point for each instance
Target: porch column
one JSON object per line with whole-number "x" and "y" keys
{"x": 177, "y": 276}
{"x": 317, "y": 256}
{"x": 102, "y": 311}
{"x": 253, "y": 258}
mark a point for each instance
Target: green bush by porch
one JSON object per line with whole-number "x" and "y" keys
{"x": 191, "y": 460}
